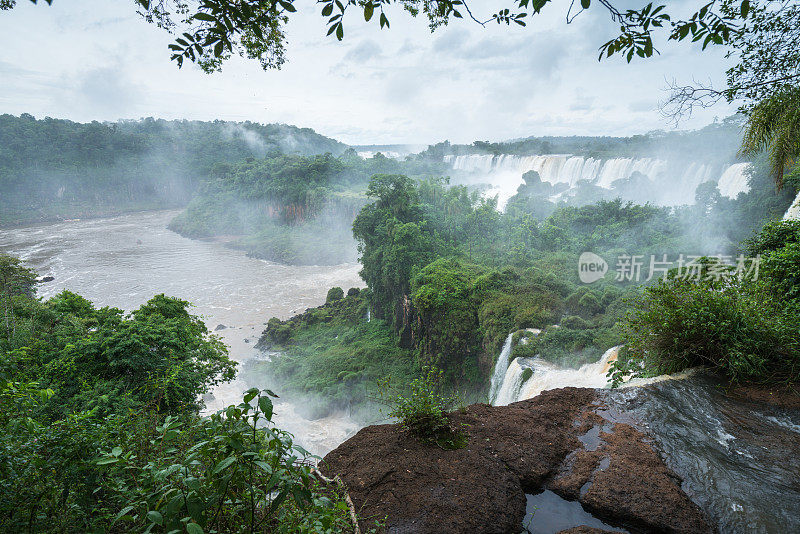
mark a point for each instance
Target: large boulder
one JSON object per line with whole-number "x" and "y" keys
{"x": 561, "y": 440}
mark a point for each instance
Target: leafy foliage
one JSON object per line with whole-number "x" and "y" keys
{"x": 99, "y": 426}
{"x": 423, "y": 411}
{"x": 774, "y": 125}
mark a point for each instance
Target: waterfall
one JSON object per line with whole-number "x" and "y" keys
{"x": 545, "y": 375}
{"x": 734, "y": 180}
{"x": 548, "y": 376}
{"x": 793, "y": 213}
{"x": 500, "y": 368}
{"x": 504, "y": 173}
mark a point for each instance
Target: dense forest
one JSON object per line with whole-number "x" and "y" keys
{"x": 55, "y": 168}
{"x": 449, "y": 277}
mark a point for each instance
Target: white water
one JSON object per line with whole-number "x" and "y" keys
{"x": 500, "y": 368}
{"x": 794, "y": 210}
{"x": 548, "y": 376}
{"x": 504, "y": 173}
{"x": 734, "y": 180}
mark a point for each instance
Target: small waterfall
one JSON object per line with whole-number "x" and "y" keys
{"x": 500, "y": 368}
{"x": 546, "y": 375}
{"x": 734, "y": 180}
{"x": 512, "y": 382}
{"x": 793, "y": 213}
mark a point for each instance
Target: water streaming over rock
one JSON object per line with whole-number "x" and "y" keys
{"x": 739, "y": 461}
{"x": 544, "y": 375}
{"x": 793, "y": 212}
{"x": 504, "y": 173}
{"x": 734, "y": 180}
{"x": 500, "y": 368}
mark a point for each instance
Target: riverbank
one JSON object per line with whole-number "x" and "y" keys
{"x": 23, "y": 217}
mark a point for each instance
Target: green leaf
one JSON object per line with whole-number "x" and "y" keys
{"x": 368, "y": 10}
{"x": 122, "y": 514}
{"x": 327, "y": 10}
{"x": 106, "y": 461}
{"x": 264, "y": 466}
{"x": 585, "y": 4}
{"x": 265, "y": 403}
{"x": 116, "y": 451}
{"x": 155, "y": 517}
{"x": 204, "y": 16}
{"x": 745, "y": 8}
{"x": 251, "y": 394}
{"x": 194, "y": 528}
{"x": 224, "y": 464}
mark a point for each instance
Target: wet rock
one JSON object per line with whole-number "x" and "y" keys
{"x": 247, "y": 340}
{"x": 783, "y": 396}
{"x": 220, "y": 327}
{"x": 586, "y": 530}
{"x": 45, "y": 279}
{"x": 526, "y": 447}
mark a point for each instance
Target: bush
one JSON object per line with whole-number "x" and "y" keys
{"x": 423, "y": 410}
{"x": 334, "y": 294}
{"x": 738, "y": 328}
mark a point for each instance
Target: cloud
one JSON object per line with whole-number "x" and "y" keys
{"x": 364, "y": 51}
{"x": 101, "y": 91}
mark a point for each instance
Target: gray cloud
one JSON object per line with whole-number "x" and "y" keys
{"x": 364, "y": 51}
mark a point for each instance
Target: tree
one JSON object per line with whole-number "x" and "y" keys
{"x": 774, "y": 125}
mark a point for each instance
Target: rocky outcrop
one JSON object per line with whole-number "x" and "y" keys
{"x": 561, "y": 440}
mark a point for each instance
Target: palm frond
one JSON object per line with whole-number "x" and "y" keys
{"x": 774, "y": 125}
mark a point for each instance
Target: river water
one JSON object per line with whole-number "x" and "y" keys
{"x": 123, "y": 261}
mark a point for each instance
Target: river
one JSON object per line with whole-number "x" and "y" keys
{"x": 123, "y": 261}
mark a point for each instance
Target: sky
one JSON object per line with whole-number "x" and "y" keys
{"x": 98, "y": 60}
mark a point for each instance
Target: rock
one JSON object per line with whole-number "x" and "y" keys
{"x": 45, "y": 279}
{"x": 220, "y": 327}
{"x": 247, "y": 340}
{"x": 415, "y": 488}
{"x": 586, "y": 530}
{"x": 557, "y": 441}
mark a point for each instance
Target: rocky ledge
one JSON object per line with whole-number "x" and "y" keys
{"x": 563, "y": 440}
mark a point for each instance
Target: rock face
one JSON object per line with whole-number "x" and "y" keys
{"x": 559, "y": 441}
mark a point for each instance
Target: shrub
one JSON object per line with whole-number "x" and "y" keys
{"x": 735, "y": 327}
{"x": 423, "y": 410}
{"x": 334, "y": 294}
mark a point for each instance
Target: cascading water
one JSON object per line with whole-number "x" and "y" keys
{"x": 545, "y": 375}
{"x": 504, "y": 173}
{"x": 500, "y": 368}
{"x": 793, "y": 212}
{"x": 734, "y": 180}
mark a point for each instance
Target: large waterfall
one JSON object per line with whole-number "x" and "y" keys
{"x": 518, "y": 385}
{"x": 504, "y": 173}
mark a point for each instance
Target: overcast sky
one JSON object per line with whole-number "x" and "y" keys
{"x": 97, "y": 60}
